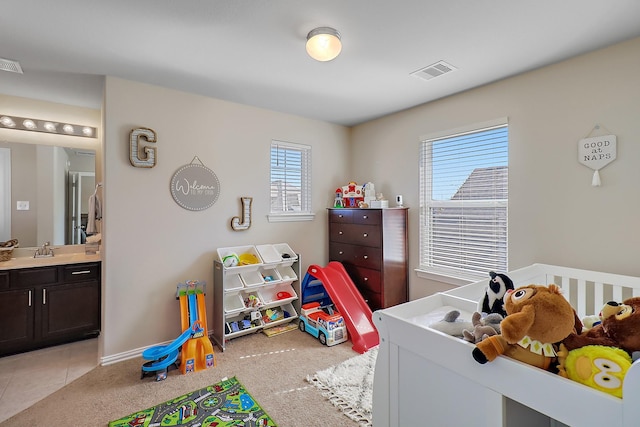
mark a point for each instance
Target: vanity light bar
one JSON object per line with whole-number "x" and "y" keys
{"x": 47, "y": 126}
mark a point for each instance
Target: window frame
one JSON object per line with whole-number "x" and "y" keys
{"x": 454, "y": 277}
{"x": 305, "y": 213}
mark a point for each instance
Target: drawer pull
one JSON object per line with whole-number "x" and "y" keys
{"x": 44, "y": 297}
{"x": 365, "y": 235}
{"x": 366, "y": 257}
{"x": 340, "y": 216}
{"x": 365, "y": 216}
{"x": 340, "y": 253}
{"x": 340, "y": 233}
{"x": 366, "y": 279}
{"x": 29, "y": 298}
{"x": 81, "y": 272}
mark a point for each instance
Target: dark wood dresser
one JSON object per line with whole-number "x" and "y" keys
{"x": 372, "y": 246}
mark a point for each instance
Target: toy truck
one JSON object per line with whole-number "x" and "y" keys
{"x": 324, "y": 323}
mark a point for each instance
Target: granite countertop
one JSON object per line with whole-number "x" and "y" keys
{"x": 23, "y": 257}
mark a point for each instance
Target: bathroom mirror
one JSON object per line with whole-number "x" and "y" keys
{"x": 44, "y": 196}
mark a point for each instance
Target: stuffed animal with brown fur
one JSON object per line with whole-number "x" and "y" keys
{"x": 538, "y": 317}
{"x": 620, "y": 328}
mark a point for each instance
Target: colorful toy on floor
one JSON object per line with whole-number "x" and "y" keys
{"x": 324, "y": 323}
{"x": 193, "y": 347}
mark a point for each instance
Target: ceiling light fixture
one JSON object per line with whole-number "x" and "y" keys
{"x": 323, "y": 43}
{"x": 48, "y": 126}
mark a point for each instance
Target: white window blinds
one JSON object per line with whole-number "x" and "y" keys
{"x": 463, "y": 199}
{"x": 290, "y": 178}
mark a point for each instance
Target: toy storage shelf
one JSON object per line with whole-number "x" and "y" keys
{"x": 250, "y": 298}
{"x": 425, "y": 377}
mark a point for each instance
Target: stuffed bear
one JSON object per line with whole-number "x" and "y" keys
{"x": 620, "y": 327}
{"x": 493, "y": 300}
{"x": 538, "y": 317}
{"x": 484, "y": 326}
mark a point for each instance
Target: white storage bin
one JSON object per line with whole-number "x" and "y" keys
{"x": 270, "y": 275}
{"x": 233, "y": 283}
{"x": 252, "y": 300}
{"x": 277, "y": 294}
{"x": 233, "y": 303}
{"x": 282, "y": 249}
{"x": 251, "y": 278}
{"x": 249, "y": 251}
{"x": 286, "y": 273}
{"x": 269, "y": 254}
{"x": 279, "y": 314}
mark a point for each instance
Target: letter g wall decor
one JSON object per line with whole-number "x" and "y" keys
{"x": 148, "y": 160}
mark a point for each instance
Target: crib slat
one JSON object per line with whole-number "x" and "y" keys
{"x": 598, "y": 297}
{"x": 581, "y": 301}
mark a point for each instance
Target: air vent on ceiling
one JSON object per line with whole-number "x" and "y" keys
{"x": 10, "y": 65}
{"x": 434, "y": 70}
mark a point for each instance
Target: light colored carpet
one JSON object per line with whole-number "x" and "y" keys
{"x": 349, "y": 386}
{"x": 274, "y": 371}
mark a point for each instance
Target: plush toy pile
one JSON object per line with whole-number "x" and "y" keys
{"x": 535, "y": 324}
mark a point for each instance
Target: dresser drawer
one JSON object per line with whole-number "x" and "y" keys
{"x": 29, "y": 277}
{"x": 4, "y": 280}
{"x": 356, "y": 234}
{"x": 365, "y": 278}
{"x": 373, "y": 299}
{"x": 366, "y": 217}
{"x": 81, "y": 272}
{"x": 368, "y": 257}
{"x": 340, "y": 215}
{"x": 341, "y": 252}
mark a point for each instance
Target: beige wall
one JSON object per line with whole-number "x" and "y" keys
{"x": 151, "y": 243}
{"x": 555, "y": 215}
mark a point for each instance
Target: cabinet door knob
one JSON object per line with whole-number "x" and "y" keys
{"x": 340, "y": 232}
{"x": 340, "y": 253}
{"x": 340, "y": 216}
{"x": 365, "y": 216}
{"x": 366, "y": 278}
{"x": 365, "y": 235}
{"x": 366, "y": 257}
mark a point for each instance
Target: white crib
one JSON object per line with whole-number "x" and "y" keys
{"x": 424, "y": 377}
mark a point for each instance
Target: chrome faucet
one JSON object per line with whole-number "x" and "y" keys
{"x": 44, "y": 251}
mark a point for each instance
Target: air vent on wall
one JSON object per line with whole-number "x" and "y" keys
{"x": 434, "y": 70}
{"x": 10, "y": 65}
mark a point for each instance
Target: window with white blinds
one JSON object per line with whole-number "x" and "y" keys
{"x": 290, "y": 179}
{"x": 463, "y": 203}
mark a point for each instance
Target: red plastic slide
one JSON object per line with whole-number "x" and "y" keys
{"x": 349, "y": 302}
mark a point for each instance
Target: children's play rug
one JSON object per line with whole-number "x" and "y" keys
{"x": 224, "y": 404}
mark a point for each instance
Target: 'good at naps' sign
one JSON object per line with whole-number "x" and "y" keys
{"x": 597, "y": 152}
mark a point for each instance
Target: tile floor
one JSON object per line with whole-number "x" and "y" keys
{"x": 29, "y": 377}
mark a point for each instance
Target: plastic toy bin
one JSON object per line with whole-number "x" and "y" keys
{"x": 233, "y": 283}
{"x": 252, "y": 278}
{"x": 282, "y": 249}
{"x": 287, "y": 274}
{"x": 269, "y": 254}
{"x": 270, "y": 275}
{"x": 241, "y": 250}
{"x": 279, "y": 314}
{"x": 233, "y": 303}
{"x": 277, "y": 293}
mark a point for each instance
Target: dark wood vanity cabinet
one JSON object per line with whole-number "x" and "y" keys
{"x": 44, "y": 306}
{"x": 372, "y": 246}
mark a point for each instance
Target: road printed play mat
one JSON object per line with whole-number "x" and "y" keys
{"x": 224, "y": 404}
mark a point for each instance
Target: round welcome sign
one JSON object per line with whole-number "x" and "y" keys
{"x": 195, "y": 187}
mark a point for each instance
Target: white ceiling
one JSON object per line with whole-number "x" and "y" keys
{"x": 252, "y": 51}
